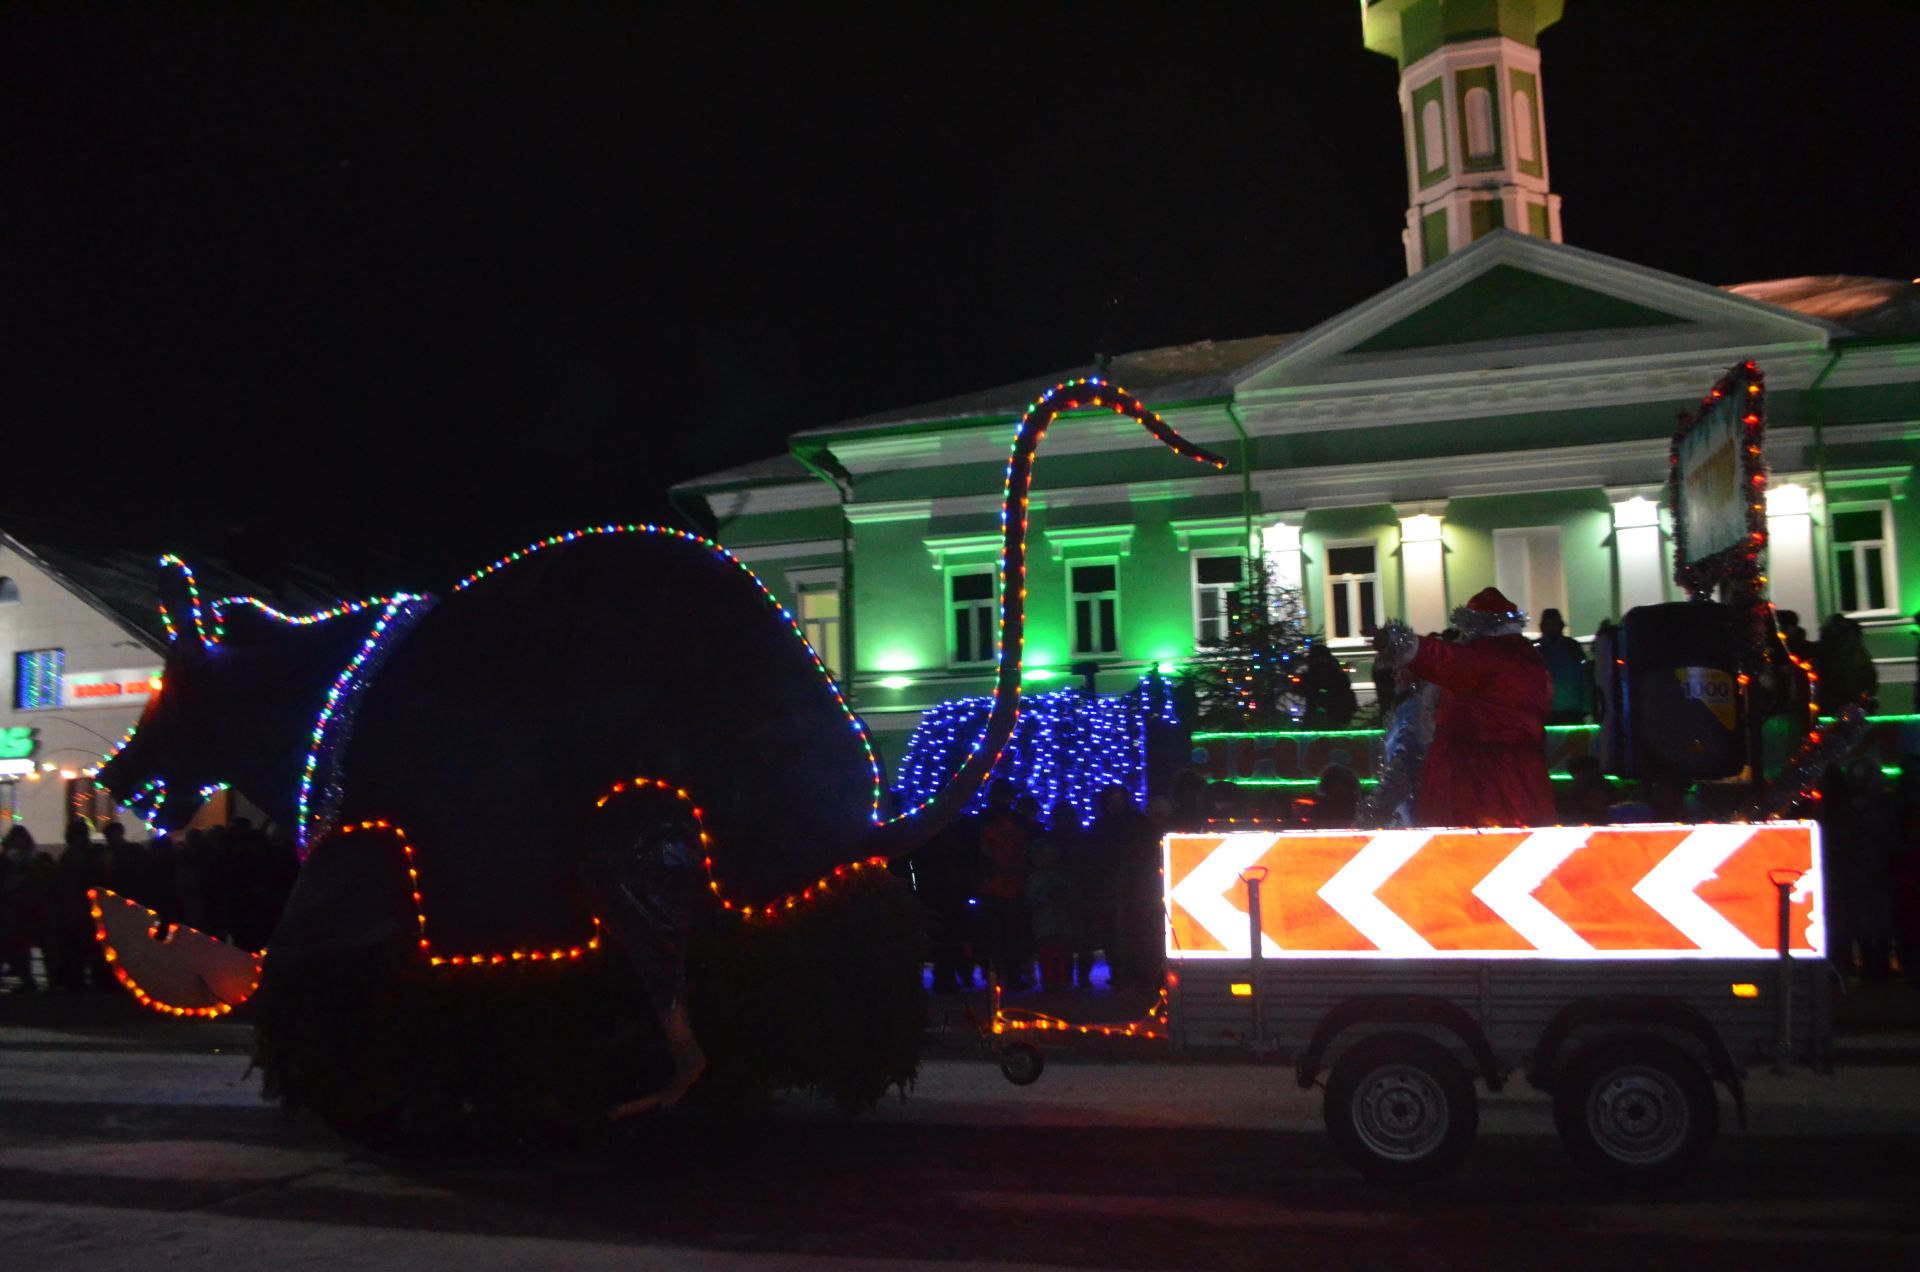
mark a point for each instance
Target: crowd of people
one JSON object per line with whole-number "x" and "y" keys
{"x": 229, "y": 881}
{"x": 1036, "y": 900}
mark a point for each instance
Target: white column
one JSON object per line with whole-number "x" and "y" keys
{"x": 1423, "y": 572}
{"x": 1641, "y": 567}
{"x": 1790, "y": 578}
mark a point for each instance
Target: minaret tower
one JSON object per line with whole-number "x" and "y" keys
{"x": 1471, "y": 109}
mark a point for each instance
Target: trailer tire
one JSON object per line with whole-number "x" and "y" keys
{"x": 1400, "y": 1108}
{"x": 1635, "y": 1111}
{"x": 1022, "y": 1063}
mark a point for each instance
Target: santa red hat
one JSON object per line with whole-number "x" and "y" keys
{"x": 1489, "y": 613}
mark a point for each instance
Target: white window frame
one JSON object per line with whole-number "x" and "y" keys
{"x": 829, "y": 643}
{"x": 1889, "y": 567}
{"x": 1525, "y": 597}
{"x": 950, "y": 610}
{"x": 1350, "y": 584}
{"x": 1073, "y": 606}
{"x": 824, "y": 634}
{"x": 1201, "y": 639}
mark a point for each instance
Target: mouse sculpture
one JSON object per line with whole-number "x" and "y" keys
{"x": 592, "y": 813}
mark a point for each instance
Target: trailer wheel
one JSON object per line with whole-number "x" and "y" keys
{"x": 1637, "y": 1111}
{"x": 1400, "y": 1108}
{"x": 1022, "y": 1063}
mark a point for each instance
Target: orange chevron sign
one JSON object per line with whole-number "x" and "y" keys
{"x": 1578, "y": 892}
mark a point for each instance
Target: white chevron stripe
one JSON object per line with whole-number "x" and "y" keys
{"x": 1812, "y": 887}
{"x": 1350, "y": 892}
{"x": 1669, "y": 889}
{"x": 1508, "y": 890}
{"x": 1204, "y": 894}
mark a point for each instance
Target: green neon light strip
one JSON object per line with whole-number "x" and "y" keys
{"x": 1295, "y": 783}
{"x": 1288, "y": 733}
{"x": 1225, "y": 736}
{"x": 1308, "y": 734}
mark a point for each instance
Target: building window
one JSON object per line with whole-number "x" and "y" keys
{"x": 1863, "y": 559}
{"x": 1529, "y": 570}
{"x": 1433, "y": 138}
{"x": 1215, "y": 576}
{"x": 1479, "y": 124}
{"x": 820, "y": 620}
{"x": 1353, "y": 589}
{"x": 9, "y": 591}
{"x": 89, "y": 802}
{"x": 1095, "y": 595}
{"x": 37, "y": 675}
{"x": 1523, "y": 125}
{"x": 9, "y": 804}
{"x": 971, "y": 606}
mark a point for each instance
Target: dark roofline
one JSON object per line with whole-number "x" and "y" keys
{"x": 824, "y": 437}
{"x": 99, "y": 606}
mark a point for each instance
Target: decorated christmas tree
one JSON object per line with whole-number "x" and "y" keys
{"x": 1251, "y": 678}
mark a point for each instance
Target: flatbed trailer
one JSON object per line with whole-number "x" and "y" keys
{"x": 1624, "y": 970}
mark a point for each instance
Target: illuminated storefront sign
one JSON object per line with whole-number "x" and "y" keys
{"x": 109, "y": 688}
{"x": 1565, "y": 892}
{"x": 17, "y": 746}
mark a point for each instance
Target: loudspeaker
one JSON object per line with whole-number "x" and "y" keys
{"x": 1670, "y": 693}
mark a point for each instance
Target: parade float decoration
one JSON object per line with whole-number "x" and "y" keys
{"x": 1068, "y": 746}
{"x": 614, "y": 741}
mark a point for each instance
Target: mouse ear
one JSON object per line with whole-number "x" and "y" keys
{"x": 180, "y": 602}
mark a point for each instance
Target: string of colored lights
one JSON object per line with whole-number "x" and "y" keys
{"x": 193, "y": 596}
{"x": 425, "y": 945}
{"x": 1066, "y": 745}
{"x": 324, "y": 744}
{"x": 156, "y": 788}
{"x": 140, "y": 995}
{"x": 1088, "y": 392}
{"x": 854, "y": 722}
{"x": 770, "y": 911}
{"x": 340, "y": 609}
{"x": 1015, "y": 1019}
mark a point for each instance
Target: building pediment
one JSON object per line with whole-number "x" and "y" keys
{"x": 1511, "y": 302}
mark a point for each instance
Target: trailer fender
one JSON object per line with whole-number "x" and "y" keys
{"x": 1550, "y": 1054}
{"x": 1399, "y": 1009}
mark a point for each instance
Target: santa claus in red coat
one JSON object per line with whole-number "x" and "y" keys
{"x": 1487, "y": 765}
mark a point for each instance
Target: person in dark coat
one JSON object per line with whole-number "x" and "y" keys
{"x": 1487, "y": 765}
{"x": 1127, "y": 845}
{"x": 943, "y": 874}
{"x": 28, "y": 880}
{"x": 1006, "y": 842}
{"x": 1050, "y": 900}
{"x": 1567, "y": 664}
{"x": 1847, "y": 673}
{"x": 83, "y": 865}
{"x": 1328, "y": 692}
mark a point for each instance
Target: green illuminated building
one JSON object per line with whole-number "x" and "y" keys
{"x": 1500, "y": 416}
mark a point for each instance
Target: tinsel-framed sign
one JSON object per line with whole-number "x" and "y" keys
{"x": 1717, "y": 487}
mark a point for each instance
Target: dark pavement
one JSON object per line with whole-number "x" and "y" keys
{"x": 127, "y": 1140}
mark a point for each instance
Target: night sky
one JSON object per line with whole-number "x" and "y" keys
{"x": 390, "y": 290}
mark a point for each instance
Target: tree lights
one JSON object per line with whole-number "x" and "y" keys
{"x": 1089, "y": 393}
{"x": 1066, "y": 745}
